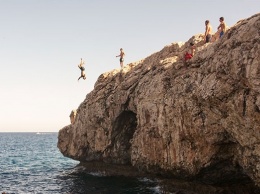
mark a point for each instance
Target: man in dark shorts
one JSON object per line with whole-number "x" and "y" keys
{"x": 83, "y": 75}
{"x": 222, "y": 27}
{"x": 121, "y": 55}
{"x": 208, "y": 32}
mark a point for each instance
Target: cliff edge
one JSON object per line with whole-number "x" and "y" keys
{"x": 196, "y": 119}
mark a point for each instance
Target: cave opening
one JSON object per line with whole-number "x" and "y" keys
{"x": 122, "y": 133}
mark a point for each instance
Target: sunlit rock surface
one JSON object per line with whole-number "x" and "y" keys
{"x": 196, "y": 119}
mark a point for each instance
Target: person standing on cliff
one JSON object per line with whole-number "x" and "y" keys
{"x": 221, "y": 27}
{"x": 121, "y": 55}
{"x": 83, "y": 75}
{"x": 208, "y": 32}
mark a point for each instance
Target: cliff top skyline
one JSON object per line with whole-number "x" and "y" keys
{"x": 42, "y": 43}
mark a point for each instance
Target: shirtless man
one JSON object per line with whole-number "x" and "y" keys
{"x": 82, "y": 69}
{"x": 208, "y": 32}
{"x": 121, "y": 55}
{"x": 221, "y": 27}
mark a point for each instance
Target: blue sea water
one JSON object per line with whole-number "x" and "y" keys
{"x": 32, "y": 163}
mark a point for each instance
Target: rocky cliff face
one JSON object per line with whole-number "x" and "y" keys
{"x": 195, "y": 119}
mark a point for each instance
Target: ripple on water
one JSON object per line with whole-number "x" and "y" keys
{"x": 31, "y": 163}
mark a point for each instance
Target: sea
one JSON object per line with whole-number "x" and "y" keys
{"x": 32, "y": 163}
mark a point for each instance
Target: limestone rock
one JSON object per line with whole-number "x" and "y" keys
{"x": 199, "y": 119}
{"x": 73, "y": 115}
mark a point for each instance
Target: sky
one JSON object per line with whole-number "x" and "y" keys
{"x": 41, "y": 43}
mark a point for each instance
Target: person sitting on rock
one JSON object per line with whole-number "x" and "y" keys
{"x": 83, "y": 75}
{"x": 190, "y": 53}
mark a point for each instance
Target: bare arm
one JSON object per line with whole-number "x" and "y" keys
{"x": 224, "y": 27}
{"x": 122, "y": 54}
{"x": 81, "y": 63}
{"x": 220, "y": 27}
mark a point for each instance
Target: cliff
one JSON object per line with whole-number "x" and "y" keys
{"x": 196, "y": 119}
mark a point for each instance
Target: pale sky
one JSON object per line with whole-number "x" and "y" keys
{"x": 42, "y": 41}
